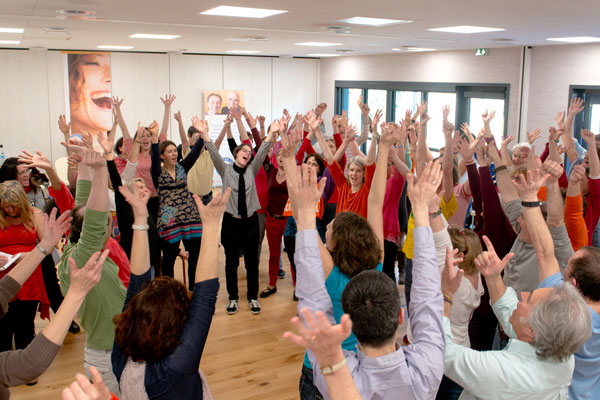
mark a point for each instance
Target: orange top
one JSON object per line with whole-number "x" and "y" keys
{"x": 574, "y": 222}
{"x": 348, "y": 201}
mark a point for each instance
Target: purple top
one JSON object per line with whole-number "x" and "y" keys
{"x": 411, "y": 372}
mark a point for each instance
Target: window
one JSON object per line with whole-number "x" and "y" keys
{"x": 404, "y": 100}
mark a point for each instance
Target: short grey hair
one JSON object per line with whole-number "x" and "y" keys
{"x": 520, "y": 146}
{"x": 358, "y": 160}
{"x": 561, "y": 323}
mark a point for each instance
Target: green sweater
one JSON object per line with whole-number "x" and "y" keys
{"x": 106, "y": 299}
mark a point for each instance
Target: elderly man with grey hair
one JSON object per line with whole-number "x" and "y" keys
{"x": 546, "y": 327}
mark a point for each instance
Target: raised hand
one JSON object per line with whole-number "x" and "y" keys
{"x": 64, "y": 127}
{"x": 84, "y": 279}
{"x": 421, "y": 192}
{"x": 466, "y": 131}
{"x": 319, "y": 335}
{"x": 421, "y": 109}
{"x": 202, "y": 126}
{"x": 88, "y": 140}
{"x": 528, "y": 188}
{"x": 235, "y": 113}
{"x": 106, "y": 143}
{"x": 446, "y": 112}
{"x": 507, "y": 141}
{"x": 304, "y": 191}
{"x": 559, "y": 118}
{"x": 553, "y": 169}
{"x": 38, "y": 161}
{"x": 364, "y": 108}
{"x": 465, "y": 150}
{"x": 589, "y": 137}
{"x": 137, "y": 201}
{"x": 488, "y": 116}
{"x": 228, "y": 119}
{"x": 74, "y": 146}
{"x": 54, "y": 228}
{"x": 350, "y": 133}
{"x": 488, "y": 263}
{"x": 451, "y": 275}
{"x": 116, "y": 102}
{"x": 376, "y": 119}
{"x": 168, "y": 99}
{"x": 83, "y": 389}
{"x": 153, "y": 128}
{"x": 177, "y": 117}
{"x": 212, "y": 213}
{"x": 577, "y": 174}
{"x": 93, "y": 159}
{"x": 320, "y": 109}
{"x": 532, "y": 136}
{"x": 575, "y": 106}
{"x": 344, "y": 119}
{"x": 312, "y": 121}
{"x": 261, "y": 120}
{"x": 554, "y": 134}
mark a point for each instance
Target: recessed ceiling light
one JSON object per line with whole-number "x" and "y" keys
{"x": 318, "y": 44}
{"x": 243, "y": 12}
{"x": 244, "y": 51}
{"x": 373, "y": 21}
{"x": 10, "y": 41}
{"x": 11, "y": 30}
{"x": 153, "y": 36}
{"x": 466, "y": 29}
{"x": 110, "y": 47}
{"x": 412, "y": 49}
{"x": 322, "y": 55}
{"x": 576, "y": 39}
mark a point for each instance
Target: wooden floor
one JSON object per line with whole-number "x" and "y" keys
{"x": 245, "y": 356}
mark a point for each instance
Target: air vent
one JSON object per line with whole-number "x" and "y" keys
{"x": 504, "y": 41}
{"x": 344, "y": 51}
{"x": 56, "y": 30}
{"x": 75, "y": 12}
{"x": 260, "y": 39}
{"x": 339, "y": 29}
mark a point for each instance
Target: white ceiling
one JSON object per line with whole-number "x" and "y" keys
{"x": 527, "y": 22}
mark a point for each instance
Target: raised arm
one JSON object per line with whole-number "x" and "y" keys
{"x": 503, "y": 180}
{"x": 575, "y": 107}
{"x": 65, "y": 128}
{"x": 491, "y": 266}
{"x": 447, "y": 160}
{"x": 185, "y": 143}
{"x": 226, "y": 128}
{"x": 237, "y": 115}
{"x": 590, "y": 139}
{"x": 574, "y": 220}
{"x": 505, "y": 153}
{"x": 41, "y": 161}
{"x": 372, "y": 151}
{"x": 366, "y": 122}
{"x": 216, "y": 158}
{"x": 155, "y": 167}
{"x": 167, "y": 101}
{"x": 116, "y": 103}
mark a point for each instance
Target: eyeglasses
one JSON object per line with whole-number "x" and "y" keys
{"x": 246, "y": 150}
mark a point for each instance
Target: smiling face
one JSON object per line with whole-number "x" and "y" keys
{"x": 233, "y": 100}
{"x": 213, "y": 104}
{"x": 146, "y": 140}
{"x": 520, "y": 316}
{"x": 243, "y": 156}
{"x": 520, "y": 156}
{"x": 355, "y": 175}
{"x": 169, "y": 155}
{"x": 89, "y": 81}
{"x": 23, "y": 174}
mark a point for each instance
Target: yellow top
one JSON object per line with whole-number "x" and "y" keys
{"x": 200, "y": 177}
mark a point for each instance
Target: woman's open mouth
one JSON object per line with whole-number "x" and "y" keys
{"x": 102, "y": 99}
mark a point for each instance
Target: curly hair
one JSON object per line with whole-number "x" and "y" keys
{"x": 147, "y": 330}
{"x": 355, "y": 246}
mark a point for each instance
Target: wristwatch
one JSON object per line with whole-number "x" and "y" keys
{"x": 329, "y": 370}
{"x": 531, "y": 203}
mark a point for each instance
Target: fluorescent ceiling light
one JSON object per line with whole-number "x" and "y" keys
{"x": 11, "y": 30}
{"x": 373, "y": 21}
{"x": 243, "y": 51}
{"x": 323, "y": 55}
{"x": 110, "y": 47}
{"x": 153, "y": 36}
{"x": 10, "y": 41}
{"x": 412, "y": 49}
{"x": 466, "y": 29}
{"x": 318, "y": 44}
{"x": 576, "y": 39}
{"x": 242, "y": 12}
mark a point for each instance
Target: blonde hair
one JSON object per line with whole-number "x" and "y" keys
{"x": 358, "y": 160}
{"x": 13, "y": 194}
{"x": 468, "y": 243}
{"x": 132, "y": 182}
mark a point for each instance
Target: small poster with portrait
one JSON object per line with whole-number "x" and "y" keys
{"x": 217, "y": 104}
{"x": 89, "y": 92}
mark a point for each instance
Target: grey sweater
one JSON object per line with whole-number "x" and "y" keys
{"x": 21, "y": 366}
{"x": 231, "y": 178}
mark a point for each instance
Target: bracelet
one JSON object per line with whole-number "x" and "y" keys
{"x": 447, "y": 299}
{"x": 140, "y": 227}
{"x": 500, "y": 168}
{"x": 330, "y": 370}
{"x": 531, "y": 203}
{"x": 42, "y": 250}
{"x": 435, "y": 214}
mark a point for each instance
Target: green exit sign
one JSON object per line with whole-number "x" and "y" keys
{"x": 481, "y": 52}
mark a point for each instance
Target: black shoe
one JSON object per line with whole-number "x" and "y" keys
{"x": 267, "y": 292}
{"x": 281, "y": 274}
{"x": 32, "y": 383}
{"x": 254, "y": 306}
{"x": 232, "y": 307}
{"x": 294, "y": 297}
{"x": 74, "y": 328}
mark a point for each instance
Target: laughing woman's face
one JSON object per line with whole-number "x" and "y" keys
{"x": 91, "y": 112}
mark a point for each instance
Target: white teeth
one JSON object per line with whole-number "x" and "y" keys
{"x": 99, "y": 95}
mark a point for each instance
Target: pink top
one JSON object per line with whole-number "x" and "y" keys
{"x": 592, "y": 212}
{"x": 120, "y": 163}
{"x": 143, "y": 165}
{"x": 393, "y": 192}
{"x": 458, "y": 219}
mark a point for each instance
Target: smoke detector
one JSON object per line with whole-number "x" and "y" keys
{"x": 76, "y": 14}
{"x": 339, "y": 29}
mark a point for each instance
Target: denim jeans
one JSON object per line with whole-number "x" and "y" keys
{"x": 308, "y": 391}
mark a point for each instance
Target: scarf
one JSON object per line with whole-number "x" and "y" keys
{"x": 242, "y": 209}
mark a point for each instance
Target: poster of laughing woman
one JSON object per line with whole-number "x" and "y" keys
{"x": 89, "y": 92}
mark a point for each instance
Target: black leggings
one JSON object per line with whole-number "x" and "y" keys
{"x": 18, "y": 322}
{"x": 51, "y": 283}
{"x": 170, "y": 253}
{"x": 389, "y": 258}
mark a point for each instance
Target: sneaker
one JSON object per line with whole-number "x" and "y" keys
{"x": 267, "y": 292}
{"x": 232, "y": 307}
{"x": 281, "y": 274}
{"x": 254, "y": 306}
{"x": 74, "y": 328}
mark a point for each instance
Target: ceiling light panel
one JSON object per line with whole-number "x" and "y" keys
{"x": 10, "y": 41}
{"x": 11, "y": 30}
{"x": 576, "y": 39}
{"x": 466, "y": 29}
{"x": 318, "y": 44}
{"x": 322, "y": 55}
{"x": 242, "y": 12}
{"x": 111, "y": 47}
{"x": 373, "y": 21}
{"x": 153, "y": 36}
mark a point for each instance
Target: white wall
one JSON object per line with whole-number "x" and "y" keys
{"x": 33, "y": 90}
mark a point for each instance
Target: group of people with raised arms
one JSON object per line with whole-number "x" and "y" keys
{"x": 504, "y": 307}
